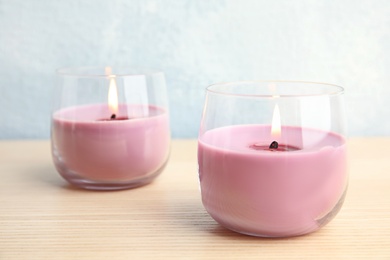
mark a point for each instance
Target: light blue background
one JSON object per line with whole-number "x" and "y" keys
{"x": 196, "y": 43}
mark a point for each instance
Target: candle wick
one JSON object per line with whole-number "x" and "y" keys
{"x": 274, "y": 145}
{"x": 113, "y": 116}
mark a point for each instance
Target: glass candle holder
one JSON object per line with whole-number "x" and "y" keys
{"x": 110, "y": 127}
{"x": 272, "y": 156}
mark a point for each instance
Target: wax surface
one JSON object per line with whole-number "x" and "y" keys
{"x": 271, "y": 193}
{"x": 87, "y": 144}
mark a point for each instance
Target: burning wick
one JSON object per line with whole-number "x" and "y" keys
{"x": 274, "y": 145}
{"x": 115, "y": 118}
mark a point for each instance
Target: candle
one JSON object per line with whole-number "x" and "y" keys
{"x": 273, "y": 193}
{"x": 282, "y": 178}
{"x": 113, "y": 145}
{"x": 87, "y": 147}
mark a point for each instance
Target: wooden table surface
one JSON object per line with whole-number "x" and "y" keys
{"x": 42, "y": 217}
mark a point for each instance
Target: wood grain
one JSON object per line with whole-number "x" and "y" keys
{"x": 42, "y": 217}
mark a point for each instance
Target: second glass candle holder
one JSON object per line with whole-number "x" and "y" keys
{"x": 110, "y": 127}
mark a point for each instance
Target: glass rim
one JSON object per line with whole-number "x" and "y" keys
{"x": 85, "y": 71}
{"x": 334, "y": 89}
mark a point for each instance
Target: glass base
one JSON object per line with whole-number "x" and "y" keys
{"x": 77, "y": 180}
{"x": 318, "y": 224}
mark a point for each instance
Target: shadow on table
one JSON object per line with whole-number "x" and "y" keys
{"x": 191, "y": 214}
{"x": 49, "y": 176}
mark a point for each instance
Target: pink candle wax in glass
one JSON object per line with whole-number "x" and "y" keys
{"x": 273, "y": 193}
{"x": 90, "y": 146}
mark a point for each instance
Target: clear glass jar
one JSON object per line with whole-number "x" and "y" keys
{"x": 272, "y": 156}
{"x": 110, "y": 127}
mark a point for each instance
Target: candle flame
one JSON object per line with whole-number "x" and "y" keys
{"x": 276, "y": 128}
{"x": 113, "y": 96}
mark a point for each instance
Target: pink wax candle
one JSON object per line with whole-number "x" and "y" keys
{"x": 90, "y": 147}
{"x": 270, "y": 192}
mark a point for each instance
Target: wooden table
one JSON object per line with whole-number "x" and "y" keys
{"x": 42, "y": 217}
